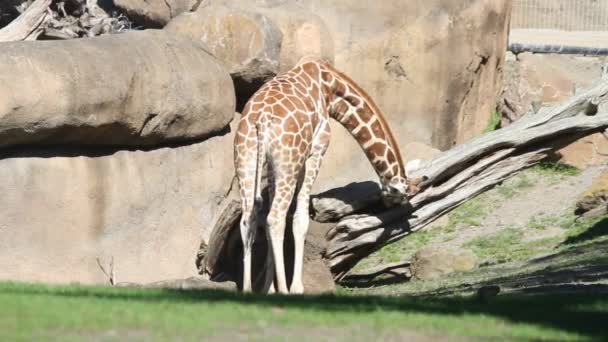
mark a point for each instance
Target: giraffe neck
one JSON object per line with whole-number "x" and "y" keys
{"x": 357, "y": 112}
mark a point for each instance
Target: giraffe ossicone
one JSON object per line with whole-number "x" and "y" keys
{"x": 284, "y": 133}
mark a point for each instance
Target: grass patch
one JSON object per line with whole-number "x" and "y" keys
{"x": 493, "y": 123}
{"x": 65, "y": 313}
{"x": 584, "y": 230}
{"x": 509, "y": 189}
{"x": 406, "y": 247}
{"x": 541, "y": 222}
{"x": 508, "y": 245}
{"x": 469, "y": 213}
{"x": 553, "y": 169}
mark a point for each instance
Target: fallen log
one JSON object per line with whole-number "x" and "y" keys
{"x": 29, "y": 25}
{"x": 67, "y": 19}
{"x": 363, "y": 225}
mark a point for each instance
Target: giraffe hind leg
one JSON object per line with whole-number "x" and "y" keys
{"x": 301, "y": 217}
{"x": 276, "y": 227}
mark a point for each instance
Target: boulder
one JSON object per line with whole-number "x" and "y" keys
{"x": 436, "y": 261}
{"x": 137, "y": 89}
{"x": 154, "y": 13}
{"x": 588, "y": 151}
{"x": 248, "y": 43}
{"x": 594, "y": 200}
{"x": 255, "y": 41}
{"x": 64, "y": 209}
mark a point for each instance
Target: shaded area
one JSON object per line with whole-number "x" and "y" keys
{"x": 70, "y": 150}
{"x": 576, "y": 269}
{"x": 582, "y": 314}
{"x": 599, "y": 229}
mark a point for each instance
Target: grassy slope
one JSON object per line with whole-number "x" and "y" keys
{"x": 41, "y": 312}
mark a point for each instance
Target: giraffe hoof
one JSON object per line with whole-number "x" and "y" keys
{"x": 296, "y": 289}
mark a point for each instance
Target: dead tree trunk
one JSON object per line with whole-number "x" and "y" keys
{"x": 364, "y": 226}
{"x": 29, "y": 25}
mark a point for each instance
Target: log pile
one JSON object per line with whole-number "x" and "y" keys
{"x": 61, "y": 19}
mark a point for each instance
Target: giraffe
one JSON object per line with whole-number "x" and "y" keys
{"x": 284, "y": 132}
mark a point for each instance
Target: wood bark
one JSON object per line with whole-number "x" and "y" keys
{"x": 29, "y": 25}
{"x": 68, "y": 19}
{"x": 363, "y": 225}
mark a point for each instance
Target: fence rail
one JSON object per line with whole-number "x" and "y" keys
{"x": 568, "y": 15}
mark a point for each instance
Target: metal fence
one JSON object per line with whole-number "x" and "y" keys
{"x": 568, "y": 15}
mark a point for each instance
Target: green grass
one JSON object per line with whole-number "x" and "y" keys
{"x": 509, "y": 245}
{"x": 404, "y": 248}
{"x": 469, "y": 213}
{"x": 510, "y": 189}
{"x": 493, "y": 123}
{"x": 555, "y": 171}
{"x": 68, "y": 313}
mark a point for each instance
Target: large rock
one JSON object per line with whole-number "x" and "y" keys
{"x": 248, "y": 43}
{"x": 594, "y": 200}
{"x": 137, "y": 88}
{"x": 154, "y": 13}
{"x": 256, "y": 40}
{"x": 434, "y": 262}
{"x": 61, "y": 210}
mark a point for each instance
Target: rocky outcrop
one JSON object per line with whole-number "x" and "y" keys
{"x": 137, "y": 88}
{"x": 248, "y": 43}
{"x": 255, "y": 42}
{"x": 62, "y": 209}
{"x": 154, "y": 13}
{"x": 593, "y": 201}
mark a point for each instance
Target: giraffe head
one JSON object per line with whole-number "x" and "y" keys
{"x": 395, "y": 192}
{"x": 398, "y": 190}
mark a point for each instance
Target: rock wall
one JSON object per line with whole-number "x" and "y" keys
{"x": 61, "y": 209}
{"x": 433, "y": 67}
{"x": 73, "y": 194}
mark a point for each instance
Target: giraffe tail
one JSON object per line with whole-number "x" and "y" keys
{"x": 261, "y": 159}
